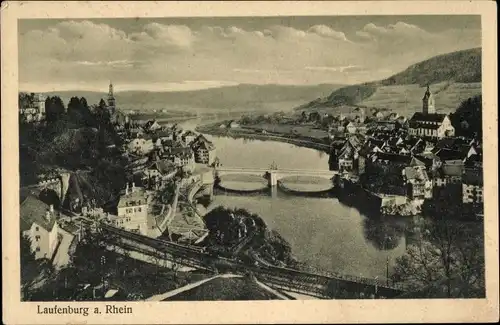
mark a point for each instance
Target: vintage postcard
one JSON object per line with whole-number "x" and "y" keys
{"x": 249, "y": 162}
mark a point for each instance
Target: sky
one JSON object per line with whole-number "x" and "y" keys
{"x": 171, "y": 54}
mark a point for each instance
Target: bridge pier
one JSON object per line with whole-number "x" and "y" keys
{"x": 273, "y": 179}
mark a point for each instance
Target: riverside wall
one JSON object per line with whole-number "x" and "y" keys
{"x": 368, "y": 202}
{"x": 302, "y": 142}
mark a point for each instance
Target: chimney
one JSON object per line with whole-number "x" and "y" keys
{"x": 51, "y": 208}
{"x": 126, "y": 189}
{"x": 47, "y": 215}
{"x": 133, "y": 187}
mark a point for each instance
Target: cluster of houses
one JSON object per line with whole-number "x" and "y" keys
{"x": 159, "y": 152}
{"x": 422, "y": 160}
{"x": 33, "y": 111}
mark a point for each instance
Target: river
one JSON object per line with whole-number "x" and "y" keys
{"x": 322, "y": 232}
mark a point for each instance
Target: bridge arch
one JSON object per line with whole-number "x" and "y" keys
{"x": 50, "y": 197}
{"x": 274, "y": 175}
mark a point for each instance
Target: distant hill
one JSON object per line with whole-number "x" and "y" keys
{"x": 452, "y": 76}
{"x": 242, "y": 97}
{"x": 461, "y": 67}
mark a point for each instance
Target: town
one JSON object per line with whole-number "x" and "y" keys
{"x": 406, "y": 166}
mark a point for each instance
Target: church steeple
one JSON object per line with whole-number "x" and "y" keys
{"x": 111, "y": 99}
{"x": 428, "y": 102}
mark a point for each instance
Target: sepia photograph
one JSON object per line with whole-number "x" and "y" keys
{"x": 248, "y": 158}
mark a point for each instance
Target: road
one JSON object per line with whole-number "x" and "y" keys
{"x": 62, "y": 256}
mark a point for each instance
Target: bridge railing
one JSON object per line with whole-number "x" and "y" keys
{"x": 305, "y": 171}
{"x": 352, "y": 278}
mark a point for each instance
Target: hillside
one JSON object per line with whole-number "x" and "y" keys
{"x": 461, "y": 67}
{"x": 453, "y": 77}
{"x": 242, "y": 97}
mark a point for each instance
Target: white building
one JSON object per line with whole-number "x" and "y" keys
{"x": 38, "y": 223}
{"x": 35, "y": 112}
{"x": 132, "y": 210}
{"x": 472, "y": 186}
{"x": 428, "y": 123}
{"x": 189, "y": 137}
{"x": 142, "y": 145}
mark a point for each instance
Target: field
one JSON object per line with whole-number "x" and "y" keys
{"x": 407, "y": 99}
{"x": 284, "y": 129}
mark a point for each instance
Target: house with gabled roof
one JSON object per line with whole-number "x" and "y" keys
{"x": 472, "y": 186}
{"x": 38, "y": 223}
{"x": 344, "y": 154}
{"x": 132, "y": 210}
{"x": 151, "y": 126}
{"x": 159, "y": 173}
{"x": 188, "y": 137}
{"x": 418, "y": 183}
{"x": 204, "y": 150}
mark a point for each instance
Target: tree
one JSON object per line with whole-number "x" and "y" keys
{"x": 102, "y": 116}
{"x": 87, "y": 258}
{"x": 79, "y": 112}
{"x": 25, "y": 100}
{"x": 54, "y": 108}
{"x": 446, "y": 260}
{"x": 467, "y": 118}
{"x": 166, "y": 194}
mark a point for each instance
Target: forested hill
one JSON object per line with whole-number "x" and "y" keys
{"x": 243, "y": 97}
{"x": 461, "y": 67}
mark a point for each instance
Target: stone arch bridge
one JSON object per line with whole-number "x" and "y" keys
{"x": 58, "y": 185}
{"x": 274, "y": 175}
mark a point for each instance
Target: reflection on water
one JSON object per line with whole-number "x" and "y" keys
{"x": 323, "y": 232}
{"x": 384, "y": 234}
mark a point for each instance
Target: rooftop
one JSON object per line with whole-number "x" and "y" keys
{"x": 395, "y": 158}
{"x": 34, "y": 211}
{"x": 136, "y": 196}
{"x": 416, "y": 173}
{"x": 163, "y": 166}
{"x": 448, "y": 154}
{"x": 432, "y": 117}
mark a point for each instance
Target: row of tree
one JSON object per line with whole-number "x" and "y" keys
{"x": 468, "y": 118}
{"x": 444, "y": 259}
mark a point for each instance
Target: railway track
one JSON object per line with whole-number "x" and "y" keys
{"x": 278, "y": 277}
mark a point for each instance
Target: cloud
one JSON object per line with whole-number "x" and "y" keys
{"x": 86, "y": 51}
{"x": 336, "y": 69}
{"x": 173, "y": 35}
{"x": 400, "y": 30}
{"x": 326, "y": 31}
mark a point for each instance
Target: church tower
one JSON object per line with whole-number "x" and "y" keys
{"x": 428, "y": 102}
{"x": 111, "y": 100}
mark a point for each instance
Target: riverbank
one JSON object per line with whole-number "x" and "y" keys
{"x": 249, "y": 133}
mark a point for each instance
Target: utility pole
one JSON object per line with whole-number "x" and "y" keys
{"x": 387, "y": 271}
{"x": 387, "y": 261}
{"x": 103, "y": 262}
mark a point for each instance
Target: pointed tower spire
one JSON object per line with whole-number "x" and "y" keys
{"x": 111, "y": 99}
{"x": 428, "y": 102}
